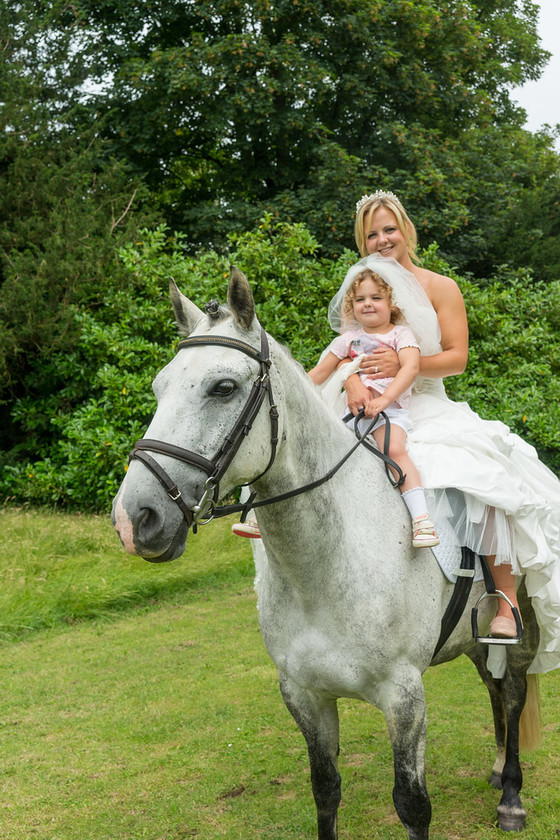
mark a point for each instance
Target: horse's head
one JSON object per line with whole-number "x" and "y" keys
{"x": 208, "y": 434}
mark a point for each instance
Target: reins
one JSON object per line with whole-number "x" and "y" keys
{"x": 252, "y": 502}
{"x": 207, "y": 508}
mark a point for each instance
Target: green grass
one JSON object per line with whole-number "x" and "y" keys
{"x": 57, "y": 569}
{"x": 165, "y": 722}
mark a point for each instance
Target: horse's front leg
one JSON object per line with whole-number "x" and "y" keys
{"x": 317, "y": 718}
{"x": 404, "y": 707}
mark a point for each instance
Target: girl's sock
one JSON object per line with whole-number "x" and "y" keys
{"x": 415, "y": 500}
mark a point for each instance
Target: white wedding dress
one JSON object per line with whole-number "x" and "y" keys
{"x": 508, "y": 502}
{"x": 486, "y": 481}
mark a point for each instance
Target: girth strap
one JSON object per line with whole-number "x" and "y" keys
{"x": 459, "y": 597}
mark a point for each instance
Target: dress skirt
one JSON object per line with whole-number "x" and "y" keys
{"x": 498, "y": 497}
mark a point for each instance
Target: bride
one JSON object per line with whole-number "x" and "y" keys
{"x": 499, "y": 498}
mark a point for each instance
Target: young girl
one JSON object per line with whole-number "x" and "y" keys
{"x": 370, "y": 320}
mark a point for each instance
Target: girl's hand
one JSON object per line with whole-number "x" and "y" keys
{"x": 375, "y": 404}
{"x": 381, "y": 364}
{"x": 356, "y": 393}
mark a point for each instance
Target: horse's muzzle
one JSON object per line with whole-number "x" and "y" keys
{"x": 144, "y": 529}
{"x": 175, "y": 549}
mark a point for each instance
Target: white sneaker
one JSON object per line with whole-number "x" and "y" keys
{"x": 424, "y": 532}
{"x": 249, "y": 528}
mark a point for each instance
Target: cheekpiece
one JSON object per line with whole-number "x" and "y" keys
{"x": 376, "y": 194}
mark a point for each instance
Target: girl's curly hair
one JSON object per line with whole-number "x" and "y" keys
{"x": 347, "y": 314}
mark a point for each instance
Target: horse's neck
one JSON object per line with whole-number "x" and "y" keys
{"x": 337, "y": 551}
{"x": 314, "y": 437}
{"x": 314, "y": 440}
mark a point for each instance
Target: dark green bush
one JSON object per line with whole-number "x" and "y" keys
{"x": 106, "y": 400}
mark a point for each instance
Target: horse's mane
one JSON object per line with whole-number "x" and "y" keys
{"x": 288, "y": 353}
{"x": 312, "y": 389}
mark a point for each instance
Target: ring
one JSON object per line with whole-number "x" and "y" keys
{"x": 376, "y": 369}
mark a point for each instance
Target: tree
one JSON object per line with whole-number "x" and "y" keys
{"x": 233, "y": 108}
{"x": 217, "y": 114}
{"x": 65, "y": 204}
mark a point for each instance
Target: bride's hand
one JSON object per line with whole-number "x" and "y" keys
{"x": 356, "y": 393}
{"x": 381, "y": 364}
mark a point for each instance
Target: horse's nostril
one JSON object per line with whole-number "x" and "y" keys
{"x": 149, "y": 524}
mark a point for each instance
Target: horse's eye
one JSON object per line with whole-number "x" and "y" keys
{"x": 223, "y": 388}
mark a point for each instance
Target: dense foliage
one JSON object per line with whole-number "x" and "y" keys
{"x": 250, "y": 128}
{"x": 107, "y": 401}
{"x": 234, "y": 108}
{"x": 76, "y": 437}
{"x": 65, "y": 205}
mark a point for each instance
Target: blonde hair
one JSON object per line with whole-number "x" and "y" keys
{"x": 404, "y": 224}
{"x": 347, "y": 314}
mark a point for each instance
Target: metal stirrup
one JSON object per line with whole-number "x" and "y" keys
{"x": 492, "y": 592}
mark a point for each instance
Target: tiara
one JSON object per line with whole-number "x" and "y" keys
{"x": 376, "y": 194}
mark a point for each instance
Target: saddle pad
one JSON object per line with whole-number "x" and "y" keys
{"x": 448, "y": 553}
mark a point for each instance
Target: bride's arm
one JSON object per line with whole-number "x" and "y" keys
{"x": 448, "y": 302}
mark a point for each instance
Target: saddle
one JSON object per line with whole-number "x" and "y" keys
{"x": 472, "y": 566}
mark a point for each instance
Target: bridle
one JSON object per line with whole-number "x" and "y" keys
{"x": 207, "y": 509}
{"x": 215, "y": 467}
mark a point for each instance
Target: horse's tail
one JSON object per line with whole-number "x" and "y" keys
{"x": 530, "y": 721}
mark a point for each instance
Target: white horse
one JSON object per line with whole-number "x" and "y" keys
{"x": 347, "y": 608}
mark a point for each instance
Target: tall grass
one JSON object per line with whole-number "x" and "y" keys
{"x": 57, "y": 569}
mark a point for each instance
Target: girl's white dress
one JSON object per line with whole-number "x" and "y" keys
{"x": 485, "y": 480}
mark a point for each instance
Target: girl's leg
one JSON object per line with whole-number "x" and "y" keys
{"x": 423, "y": 531}
{"x": 397, "y": 451}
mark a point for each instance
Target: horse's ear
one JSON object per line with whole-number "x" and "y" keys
{"x": 240, "y": 299}
{"x": 187, "y": 313}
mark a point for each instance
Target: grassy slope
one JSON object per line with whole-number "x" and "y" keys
{"x": 57, "y": 569}
{"x": 165, "y": 722}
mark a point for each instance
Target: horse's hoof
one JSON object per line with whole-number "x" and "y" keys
{"x": 495, "y": 780}
{"x": 511, "y": 819}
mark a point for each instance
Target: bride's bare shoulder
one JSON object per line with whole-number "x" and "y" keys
{"x": 437, "y": 286}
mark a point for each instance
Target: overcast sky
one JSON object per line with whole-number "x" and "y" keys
{"x": 541, "y": 99}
